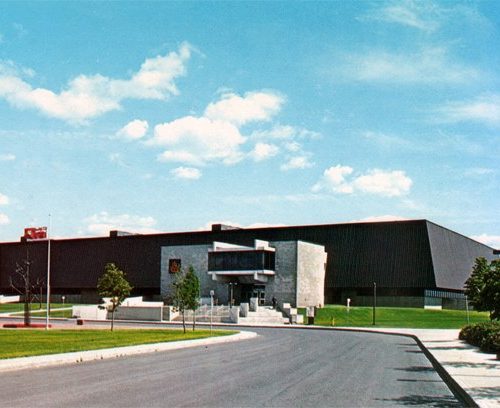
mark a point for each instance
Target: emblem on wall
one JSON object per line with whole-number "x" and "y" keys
{"x": 174, "y": 265}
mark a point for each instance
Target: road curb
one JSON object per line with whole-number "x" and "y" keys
{"x": 20, "y": 363}
{"x": 452, "y": 384}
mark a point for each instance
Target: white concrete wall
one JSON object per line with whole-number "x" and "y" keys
{"x": 132, "y": 301}
{"x": 91, "y": 312}
{"x": 9, "y": 299}
{"x": 284, "y": 283}
{"x": 138, "y": 313}
{"x": 311, "y": 266}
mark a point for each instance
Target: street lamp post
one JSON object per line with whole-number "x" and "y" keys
{"x": 467, "y": 308}
{"x": 48, "y": 277}
{"x": 231, "y": 285}
{"x": 211, "y": 308}
{"x": 374, "y": 301}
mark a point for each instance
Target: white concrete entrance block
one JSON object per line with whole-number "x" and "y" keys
{"x": 254, "y": 304}
{"x": 244, "y": 308}
{"x": 234, "y": 314}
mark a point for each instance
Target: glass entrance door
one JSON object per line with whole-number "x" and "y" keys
{"x": 257, "y": 291}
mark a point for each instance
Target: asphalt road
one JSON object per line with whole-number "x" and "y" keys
{"x": 283, "y": 368}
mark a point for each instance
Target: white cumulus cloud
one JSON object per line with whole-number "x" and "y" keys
{"x": 86, "y": 97}
{"x": 340, "y": 179}
{"x": 297, "y": 162}
{"x": 217, "y": 137}
{"x": 263, "y": 151}
{"x": 386, "y": 183}
{"x": 188, "y": 173}
{"x": 103, "y": 222}
{"x": 253, "y": 106}
{"x": 134, "y": 130}
{"x": 198, "y": 140}
{"x": 334, "y": 178}
{"x": 490, "y": 240}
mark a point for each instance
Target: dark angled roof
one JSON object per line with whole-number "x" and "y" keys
{"x": 453, "y": 256}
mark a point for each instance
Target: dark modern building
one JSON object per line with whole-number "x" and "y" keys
{"x": 412, "y": 263}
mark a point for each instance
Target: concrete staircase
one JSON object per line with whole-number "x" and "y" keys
{"x": 265, "y": 315}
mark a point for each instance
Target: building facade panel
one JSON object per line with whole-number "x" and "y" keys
{"x": 311, "y": 266}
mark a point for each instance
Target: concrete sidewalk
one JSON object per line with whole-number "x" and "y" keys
{"x": 476, "y": 372}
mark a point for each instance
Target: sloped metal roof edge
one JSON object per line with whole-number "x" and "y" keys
{"x": 458, "y": 234}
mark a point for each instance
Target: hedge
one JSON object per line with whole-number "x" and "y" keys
{"x": 484, "y": 335}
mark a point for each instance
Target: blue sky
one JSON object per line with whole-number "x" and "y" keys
{"x": 168, "y": 116}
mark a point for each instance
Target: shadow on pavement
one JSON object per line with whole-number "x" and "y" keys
{"x": 416, "y": 369}
{"x": 434, "y": 401}
{"x": 413, "y": 380}
{"x": 475, "y": 365}
{"x": 489, "y": 393}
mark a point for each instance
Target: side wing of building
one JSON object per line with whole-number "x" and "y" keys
{"x": 453, "y": 256}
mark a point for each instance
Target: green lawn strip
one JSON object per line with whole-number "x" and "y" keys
{"x": 55, "y": 313}
{"x": 19, "y": 307}
{"x": 395, "y": 317}
{"x": 26, "y": 342}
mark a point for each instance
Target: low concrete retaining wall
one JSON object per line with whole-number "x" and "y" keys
{"x": 91, "y": 312}
{"x": 138, "y": 313}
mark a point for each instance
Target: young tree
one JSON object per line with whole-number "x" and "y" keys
{"x": 24, "y": 285}
{"x": 179, "y": 296}
{"x": 192, "y": 283}
{"x": 186, "y": 293}
{"x": 114, "y": 285}
{"x": 483, "y": 287}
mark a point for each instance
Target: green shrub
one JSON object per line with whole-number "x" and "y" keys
{"x": 485, "y": 335}
{"x": 491, "y": 343}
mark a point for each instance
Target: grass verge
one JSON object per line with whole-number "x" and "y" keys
{"x": 333, "y": 315}
{"x": 19, "y": 307}
{"x": 25, "y": 342}
{"x": 67, "y": 313}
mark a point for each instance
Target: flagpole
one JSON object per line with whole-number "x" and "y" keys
{"x": 48, "y": 276}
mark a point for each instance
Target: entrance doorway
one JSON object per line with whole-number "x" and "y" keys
{"x": 257, "y": 291}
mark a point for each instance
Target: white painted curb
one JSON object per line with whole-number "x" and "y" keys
{"x": 20, "y": 363}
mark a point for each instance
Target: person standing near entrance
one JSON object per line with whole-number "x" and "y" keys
{"x": 275, "y": 302}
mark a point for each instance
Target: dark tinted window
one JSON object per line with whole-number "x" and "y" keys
{"x": 240, "y": 260}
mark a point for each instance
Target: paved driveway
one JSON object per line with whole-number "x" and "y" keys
{"x": 278, "y": 368}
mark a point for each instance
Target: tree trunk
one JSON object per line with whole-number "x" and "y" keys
{"x": 194, "y": 319}
{"x": 184, "y": 320}
{"x": 27, "y": 316}
{"x": 112, "y": 319}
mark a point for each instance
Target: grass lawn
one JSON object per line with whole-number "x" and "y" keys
{"x": 26, "y": 342}
{"x": 19, "y": 307}
{"x": 67, "y": 313}
{"x": 395, "y": 317}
